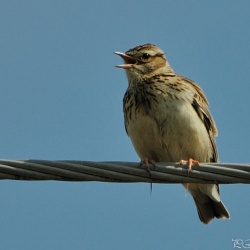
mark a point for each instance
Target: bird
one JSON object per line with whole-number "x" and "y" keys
{"x": 167, "y": 118}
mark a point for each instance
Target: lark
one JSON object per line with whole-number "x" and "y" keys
{"x": 167, "y": 119}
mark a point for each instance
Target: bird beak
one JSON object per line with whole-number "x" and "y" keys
{"x": 129, "y": 61}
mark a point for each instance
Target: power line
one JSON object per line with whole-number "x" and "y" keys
{"x": 123, "y": 172}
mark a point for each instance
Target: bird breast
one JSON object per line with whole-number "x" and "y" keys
{"x": 165, "y": 128}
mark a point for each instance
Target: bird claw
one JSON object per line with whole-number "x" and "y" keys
{"x": 189, "y": 162}
{"x": 145, "y": 163}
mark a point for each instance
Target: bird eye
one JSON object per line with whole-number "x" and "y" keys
{"x": 145, "y": 56}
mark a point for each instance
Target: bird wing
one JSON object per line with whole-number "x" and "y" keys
{"x": 200, "y": 104}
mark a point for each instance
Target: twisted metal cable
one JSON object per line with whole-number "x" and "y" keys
{"x": 168, "y": 172}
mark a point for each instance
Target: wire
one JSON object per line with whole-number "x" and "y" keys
{"x": 123, "y": 172}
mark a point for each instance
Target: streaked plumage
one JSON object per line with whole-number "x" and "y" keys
{"x": 167, "y": 118}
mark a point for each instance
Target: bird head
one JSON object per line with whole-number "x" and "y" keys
{"x": 144, "y": 60}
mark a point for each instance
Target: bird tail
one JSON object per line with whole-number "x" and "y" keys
{"x": 208, "y": 202}
{"x": 210, "y": 209}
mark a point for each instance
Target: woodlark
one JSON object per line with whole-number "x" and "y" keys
{"x": 167, "y": 118}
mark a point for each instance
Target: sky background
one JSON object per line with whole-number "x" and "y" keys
{"x": 61, "y": 99}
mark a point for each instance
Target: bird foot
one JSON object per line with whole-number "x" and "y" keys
{"x": 190, "y": 162}
{"x": 146, "y": 163}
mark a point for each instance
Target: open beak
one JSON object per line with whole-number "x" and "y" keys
{"x": 129, "y": 61}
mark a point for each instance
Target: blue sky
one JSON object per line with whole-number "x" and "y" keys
{"x": 61, "y": 99}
